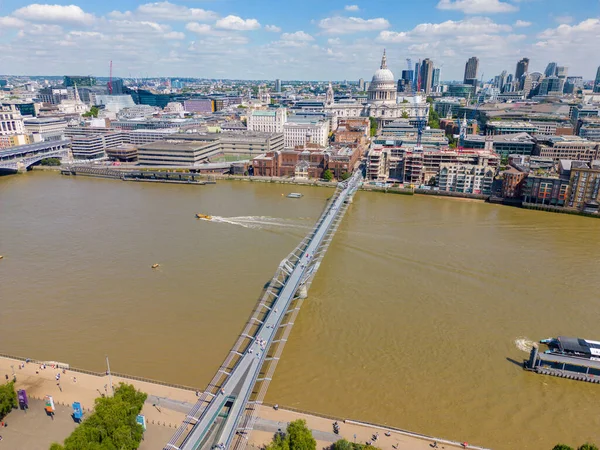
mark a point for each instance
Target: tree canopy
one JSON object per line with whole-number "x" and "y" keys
{"x": 113, "y": 424}
{"x": 8, "y": 398}
{"x": 93, "y": 112}
{"x": 373, "y": 122}
{"x": 296, "y": 437}
{"x": 343, "y": 444}
{"x": 434, "y": 118}
{"x": 327, "y": 175}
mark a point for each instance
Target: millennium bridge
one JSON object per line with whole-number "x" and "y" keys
{"x": 226, "y": 411}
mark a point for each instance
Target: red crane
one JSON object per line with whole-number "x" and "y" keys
{"x": 110, "y": 81}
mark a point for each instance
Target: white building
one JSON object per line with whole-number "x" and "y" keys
{"x": 74, "y": 106}
{"x": 267, "y": 121}
{"x": 466, "y": 178}
{"x": 299, "y": 131}
{"x": 378, "y": 164}
{"x": 174, "y": 108}
{"x": 113, "y": 103}
{"x": 46, "y": 129}
{"x": 11, "y": 121}
{"x": 382, "y": 102}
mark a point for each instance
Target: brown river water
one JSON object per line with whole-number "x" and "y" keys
{"x": 419, "y": 316}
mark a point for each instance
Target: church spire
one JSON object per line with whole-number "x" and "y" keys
{"x": 384, "y": 60}
{"x": 77, "y": 99}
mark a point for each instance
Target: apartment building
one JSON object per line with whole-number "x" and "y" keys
{"x": 465, "y": 178}
{"x": 567, "y": 147}
{"x": 584, "y": 187}
{"x": 268, "y": 121}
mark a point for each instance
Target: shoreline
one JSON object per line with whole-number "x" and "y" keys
{"x": 168, "y": 404}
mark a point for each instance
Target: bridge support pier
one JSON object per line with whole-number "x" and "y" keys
{"x": 302, "y": 292}
{"x": 21, "y": 168}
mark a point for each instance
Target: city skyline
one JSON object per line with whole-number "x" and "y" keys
{"x": 337, "y": 40}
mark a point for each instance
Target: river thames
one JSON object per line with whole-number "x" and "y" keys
{"x": 419, "y": 317}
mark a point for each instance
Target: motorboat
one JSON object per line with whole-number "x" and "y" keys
{"x": 203, "y": 216}
{"x": 294, "y": 195}
{"x": 155, "y": 266}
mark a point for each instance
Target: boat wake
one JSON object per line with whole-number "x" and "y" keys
{"x": 257, "y": 222}
{"x": 524, "y": 344}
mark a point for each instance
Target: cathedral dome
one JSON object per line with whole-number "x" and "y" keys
{"x": 382, "y": 76}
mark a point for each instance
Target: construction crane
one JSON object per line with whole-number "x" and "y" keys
{"x": 109, "y": 85}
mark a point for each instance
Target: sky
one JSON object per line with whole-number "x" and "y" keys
{"x": 294, "y": 39}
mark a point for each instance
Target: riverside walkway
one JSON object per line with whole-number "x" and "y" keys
{"x": 226, "y": 410}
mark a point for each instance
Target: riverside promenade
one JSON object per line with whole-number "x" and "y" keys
{"x": 165, "y": 408}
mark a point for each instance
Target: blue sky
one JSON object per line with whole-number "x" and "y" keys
{"x": 291, "y": 39}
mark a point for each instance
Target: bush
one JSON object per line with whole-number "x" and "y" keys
{"x": 327, "y": 175}
{"x": 588, "y": 446}
{"x": 112, "y": 424}
{"x": 50, "y": 162}
{"x": 562, "y": 447}
{"x": 8, "y": 398}
{"x": 343, "y": 444}
{"x": 345, "y": 176}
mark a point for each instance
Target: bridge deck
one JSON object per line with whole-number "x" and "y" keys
{"x": 247, "y": 370}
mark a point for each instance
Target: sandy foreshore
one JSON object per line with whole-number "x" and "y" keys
{"x": 168, "y": 405}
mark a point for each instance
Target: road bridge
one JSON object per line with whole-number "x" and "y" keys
{"x": 18, "y": 159}
{"x": 225, "y": 411}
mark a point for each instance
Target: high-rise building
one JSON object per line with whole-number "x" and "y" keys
{"x": 361, "y": 84}
{"x": 550, "y": 85}
{"x": 277, "y": 85}
{"x": 550, "y": 70}
{"x": 72, "y": 80}
{"x": 426, "y": 75}
{"x": 471, "y": 68}
{"x": 597, "y": 81}
{"x": 522, "y": 68}
{"x": 435, "y": 79}
{"x": 417, "y": 74}
{"x": 405, "y": 84}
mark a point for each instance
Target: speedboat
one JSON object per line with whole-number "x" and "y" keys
{"x": 294, "y": 195}
{"x": 203, "y": 216}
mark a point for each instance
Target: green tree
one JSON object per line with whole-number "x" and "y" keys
{"x": 434, "y": 118}
{"x": 300, "y": 437}
{"x": 56, "y": 446}
{"x": 8, "y": 398}
{"x": 297, "y": 437}
{"x": 432, "y": 181}
{"x": 93, "y": 112}
{"x": 588, "y": 446}
{"x": 50, "y": 162}
{"x": 343, "y": 444}
{"x": 373, "y": 122}
{"x": 113, "y": 424}
{"x": 405, "y": 115}
{"x": 345, "y": 176}
{"x": 562, "y": 447}
{"x": 327, "y": 175}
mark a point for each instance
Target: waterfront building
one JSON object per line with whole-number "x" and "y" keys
{"x": 584, "y": 187}
{"x": 267, "y": 121}
{"x": 545, "y": 189}
{"x": 512, "y": 182}
{"x": 466, "y": 178}
{"x": 93, "y": 146}
{"x": 11, "y": 121}
{"x": 381, "y": 103}
{"x": 239, "y": 143}
{"x": 299, "y": 130}
{"x": 471, "y": 68}
{"x": 46, "y": 129}
{"x": 503, "y": 145}
{"x": 178, "y": 152}
{"x": 124, "y": 153}
{"x": 567, "y": 147}
{"x": 378, "y": 164}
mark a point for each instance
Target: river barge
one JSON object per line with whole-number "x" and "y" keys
{"x": 571, "y": 358}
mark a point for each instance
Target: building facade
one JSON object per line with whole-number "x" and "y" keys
{"x": 584, "y": 187}
{"x": 471, "y": 68}
{"x": 11, "y": 121}
{"x": 466, "y": 179}
{"x": 302, "y": 130}
{"x": 267, "y": 121}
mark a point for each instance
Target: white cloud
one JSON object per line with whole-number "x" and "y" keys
{"x": 170, "y": 12}
{"x": 450, "y": 28}
{"x": 273, "y": 28}
{"x": 54, "y": 14}
{"x": 351, "y": 8}
{"x": 564, "y": 19}
{"x": 237, "y": 23}
{"x": 522, "y": 24}
{"x": 477, "y": 6}
{"x": 297, "y": 36}
{"x": 11, "y": 22}
{"x": 393, "y": 36}
{"x": 344, "y": 25}
{"x": 199, "y": 28}
{"x": 174, "y": 35}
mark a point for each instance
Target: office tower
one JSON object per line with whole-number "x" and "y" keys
{"x": 361, "y": 84}
{"x": 277, "y": 85}
{"x": 417, "y": 74}
{"x": 550, "y": 70}
{"x": 435, "y": 79}
{"x": 426, "y": 75}
{"x": 597, "y": 81}
{"x": 522, "y": 68}
{"x": 471, "y": 68}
